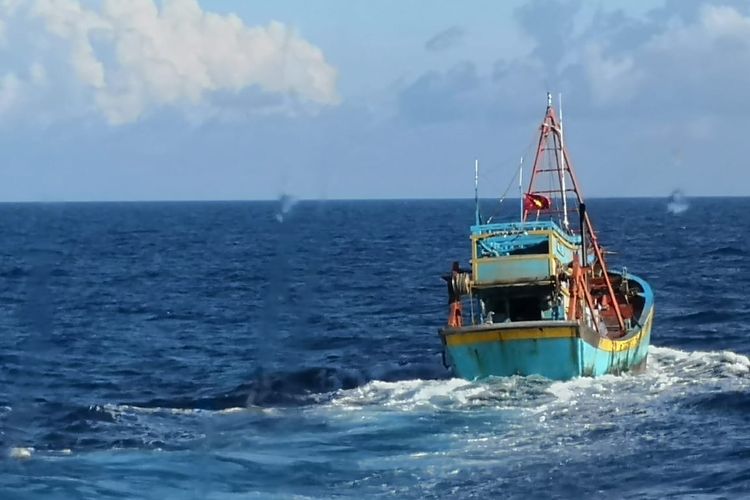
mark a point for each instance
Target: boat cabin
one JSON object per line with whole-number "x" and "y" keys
{"x": 515, "y": 269}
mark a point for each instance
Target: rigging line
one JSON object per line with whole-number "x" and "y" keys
{"x": 502, "y": 197}
{"x": 498, "y": 167}
{"x": 512, "y": 180}
{"x": 495, "y": 172}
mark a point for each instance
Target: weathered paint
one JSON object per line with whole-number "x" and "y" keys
{"x": 488, "y": 270}
{"x": 554, "y": 358}
{"x": 508, "y": 334}
{"x": 514, "y": 268}
{"x": 558, "y": 353}
{"x": 558, "y": 350}
{"x": 531, "y": 227}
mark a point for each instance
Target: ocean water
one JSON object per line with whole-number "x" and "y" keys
{"x": 290, "y": 350}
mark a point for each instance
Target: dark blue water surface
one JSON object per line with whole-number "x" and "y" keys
{"x": 254, "y": 350}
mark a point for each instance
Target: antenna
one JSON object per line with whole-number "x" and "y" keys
{"x": 477, "y": 219}
{"x": 520, "y": 186}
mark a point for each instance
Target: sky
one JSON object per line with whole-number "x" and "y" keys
{"x": 236, "y": 100}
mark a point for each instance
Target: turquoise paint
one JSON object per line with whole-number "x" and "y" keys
{"x": 647, "y": 294}
{"x": 515, "y": 229}
{"x": 497, "y": 246}
{"x": 503, "y": 270}
{"x": 597, "y": 362}
{"x": 555, "y": 359}
{"x": 563, "y": 253}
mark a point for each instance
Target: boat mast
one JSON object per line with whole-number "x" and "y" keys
{"x": 551, "y": 127}
{"x": 562, "y": 166}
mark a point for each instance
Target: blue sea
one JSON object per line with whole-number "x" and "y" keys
{"x": 290, "y": 350}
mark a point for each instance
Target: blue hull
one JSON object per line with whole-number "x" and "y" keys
{"x": 557, "y": 350}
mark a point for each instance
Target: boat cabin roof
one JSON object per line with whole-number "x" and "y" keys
{"x": 516, "y": 228}
{"x": 513, "y": 237}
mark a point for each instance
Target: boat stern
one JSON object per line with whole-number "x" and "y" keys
{"x": 549, "y": 349}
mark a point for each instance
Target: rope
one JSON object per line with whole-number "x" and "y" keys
{"x": 461, "y": 283}
{"x": 513, "y": 179}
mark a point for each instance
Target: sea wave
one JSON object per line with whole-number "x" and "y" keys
{"x": 667, "y": 369}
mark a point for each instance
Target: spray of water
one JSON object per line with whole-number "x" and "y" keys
{"x": 286, "y": 204}
{"x": 677, "y": 202}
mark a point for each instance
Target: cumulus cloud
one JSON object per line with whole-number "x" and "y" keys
{"x": 445, "y": 39}
{"x": 439, "y": 96}
{"x": 610, "y": 77}
{"x": 139, "y": 55}
{"x": 550, "y": 25}
{"x": 686, "y": 53}
{"x": 693, "y": 60}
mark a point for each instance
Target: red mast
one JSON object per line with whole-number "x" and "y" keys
{"x": 551, "y": 139}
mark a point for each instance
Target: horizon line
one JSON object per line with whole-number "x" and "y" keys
{"x": 296, "y": 199}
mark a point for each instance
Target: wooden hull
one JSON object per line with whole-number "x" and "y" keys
{"x": 558, "y": 350}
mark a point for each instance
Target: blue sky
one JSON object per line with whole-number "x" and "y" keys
{"x": 229, "y": 99}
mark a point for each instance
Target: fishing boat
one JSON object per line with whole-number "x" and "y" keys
{"x": 539, "y": 298}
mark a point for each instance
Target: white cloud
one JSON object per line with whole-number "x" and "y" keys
{"x": 610, "y": 77}
{"x": 699, "y": 63}
{"x": 666, "y": 59}
{"x": 139, "y": 55}
{"x": 715, "y": 25}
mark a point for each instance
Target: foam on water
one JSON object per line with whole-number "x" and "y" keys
{"x": 697, "y": 367}
{"x": 407, "y": 394}
{"x": 527, "y": 404}
{"x": 668, "y": 371}
{"x": 117, "y": 410}
{"x": 21, "y": 453}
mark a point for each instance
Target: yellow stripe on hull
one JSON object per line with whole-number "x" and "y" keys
{"x": 546, "y": 332}
{"x": 510, "y": 334}
{"x": 610, "y": 345}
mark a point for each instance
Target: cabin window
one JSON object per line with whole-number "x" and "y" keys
{"x": 537, "y": 249}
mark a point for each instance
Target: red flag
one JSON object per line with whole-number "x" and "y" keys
{"x": 533, "y": 201}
